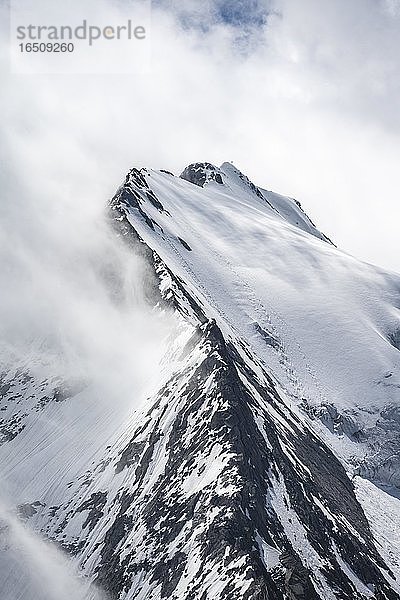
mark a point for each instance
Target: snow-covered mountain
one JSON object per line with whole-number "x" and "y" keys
{"x": 263, "y": 461}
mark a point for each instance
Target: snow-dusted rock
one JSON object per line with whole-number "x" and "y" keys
{"x": 279, "y": 385}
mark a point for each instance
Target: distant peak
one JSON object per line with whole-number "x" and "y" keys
{"x": 201, "y": 173}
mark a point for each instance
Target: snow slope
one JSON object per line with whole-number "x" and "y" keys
{"x": 263, "y": 460}
{"x": 333, "y": 317}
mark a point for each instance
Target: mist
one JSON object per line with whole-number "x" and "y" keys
{"x": 73, "y": 314}
{"x": 36, "y": 569}
{"x": 72, "y": 289}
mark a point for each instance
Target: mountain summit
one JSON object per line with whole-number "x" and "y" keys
{"x": 265, "y": 463}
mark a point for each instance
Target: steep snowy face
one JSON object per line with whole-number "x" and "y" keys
{"x": 264, "y": 462}
{"x": 289, "y": 294}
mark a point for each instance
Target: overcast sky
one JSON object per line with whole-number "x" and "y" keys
{"x": 302, "y": 96}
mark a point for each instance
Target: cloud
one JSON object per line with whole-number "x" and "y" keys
{"x": 36, "y": 569}
{"x": 311, "y": 111}
{"x": 72, "y": 311}
{"x": 308, "y": 110}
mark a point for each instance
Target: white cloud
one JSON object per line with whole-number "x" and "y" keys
{"x": 36, "y": 569}
{"x": 310, "y": 111}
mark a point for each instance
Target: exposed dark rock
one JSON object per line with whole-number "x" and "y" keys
{"x": 26, "y": 511}
{"x": 223, "y": 414}
{"x": 201, "y": 173}
{"x": 94, "y": 505}
{"x": 184, "y": 244}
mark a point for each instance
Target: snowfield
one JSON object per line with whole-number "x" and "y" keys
{"x": 242, "y": 442}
